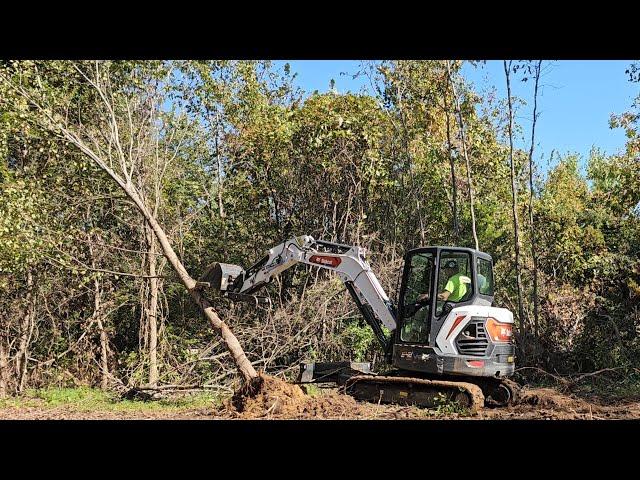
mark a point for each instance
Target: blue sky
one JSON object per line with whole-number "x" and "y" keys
{"x": 576, "y": 98}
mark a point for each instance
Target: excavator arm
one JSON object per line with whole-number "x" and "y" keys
{"x": 347, "y": 261}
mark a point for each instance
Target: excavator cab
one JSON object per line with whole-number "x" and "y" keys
{"x": 434, "y": 281}
{"x": 446, "y": 322}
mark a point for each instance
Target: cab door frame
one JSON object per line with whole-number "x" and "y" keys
{"x": 435, "y": 321}
{"x": 403, "y": 290}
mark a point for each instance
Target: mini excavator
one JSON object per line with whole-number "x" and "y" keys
{"x": 442, "y": 339}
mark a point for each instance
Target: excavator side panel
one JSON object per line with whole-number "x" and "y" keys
{"x": 464, "y": 346}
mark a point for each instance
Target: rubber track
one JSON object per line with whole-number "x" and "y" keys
{"x": 516, "y": 391}
{"x": 474, "y": 392}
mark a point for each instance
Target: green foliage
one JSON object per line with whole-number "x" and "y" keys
{"x": 445, "y": 407}
{"x": 630, "y": 120}
{"x": 20, "y": 239}
{"x": 312, "y": 390}
{"x": 359, "y": 339}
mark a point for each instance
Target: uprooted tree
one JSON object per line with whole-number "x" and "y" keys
{"x": 121, "y": 136}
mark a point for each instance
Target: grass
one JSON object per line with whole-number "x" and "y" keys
{"x": 312, "y": 390}
{"x": 91, "y": 399}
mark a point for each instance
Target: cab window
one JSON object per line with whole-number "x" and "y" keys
{"x": 415, "y": 326}
{"x": 454, "y": 277}
{"x": 485, "y": 277}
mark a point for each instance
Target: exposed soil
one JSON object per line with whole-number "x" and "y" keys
{"x": 71, "y": 413}
{"x": 549, "y": 404}
{"x": 277, "y": 399}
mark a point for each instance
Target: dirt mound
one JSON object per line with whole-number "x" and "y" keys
{"x": 550, "y": 398}
{"x": 279, "y": 399}
{"x": 333, "y": 405}
{"x": 274, "y": 397}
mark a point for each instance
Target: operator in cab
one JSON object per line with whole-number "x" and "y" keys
{"x": 456, "y": 287}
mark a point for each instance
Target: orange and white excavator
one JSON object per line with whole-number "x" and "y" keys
{"x": 443, "y": 336}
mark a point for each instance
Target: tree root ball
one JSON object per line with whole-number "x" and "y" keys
{"x": 267, "y": 395}
{"x": 275, "y": 398}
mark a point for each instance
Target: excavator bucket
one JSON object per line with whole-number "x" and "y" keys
{"x": 220, "y": 276}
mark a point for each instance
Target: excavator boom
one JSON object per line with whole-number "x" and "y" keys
{"x": 348, "y": 262}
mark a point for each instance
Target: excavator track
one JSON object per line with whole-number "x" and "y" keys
{"x": 515, "y": 391}
{"x": 414, "y": 391}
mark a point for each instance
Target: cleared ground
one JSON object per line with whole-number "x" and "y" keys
{"x": 279, "y": 400}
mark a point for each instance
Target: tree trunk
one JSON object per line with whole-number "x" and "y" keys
{"x": 466, "y": 156}
{"x": 454, "y": 187}
{"x": 514, "y": 205}
{"x": 97, "y": 315}
{"x": 4, "y": 369}
{"x": 422, "y": 229}
{"x": 152, "y": 307}
{"x": 55, "y": 122}
{"x": 531, "y": 224}
{"x": 26, "y": 329}
{"x": 243, "y": 364}
{"x": 219, "y": 161}
{"x": 104, "y": 338}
